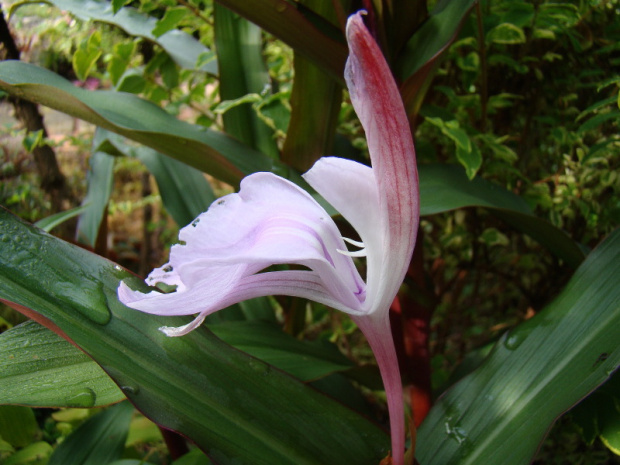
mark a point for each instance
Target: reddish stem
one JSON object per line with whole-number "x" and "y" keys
{"x": 376, "y": 328}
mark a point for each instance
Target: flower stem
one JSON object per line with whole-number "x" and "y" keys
{"x": 376, "y": 328}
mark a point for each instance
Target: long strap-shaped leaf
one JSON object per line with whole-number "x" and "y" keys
{"x": 242, "y": 72}
{"x": 137, "y": 119}
{"x": 235, "y": 407}
{"x": 500, "y": 413}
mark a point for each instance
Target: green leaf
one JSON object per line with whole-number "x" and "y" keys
{"x": 226, "y": 105}
{"x": 467, "y": 153}
{"x": 99, "y": 179}
{"x": 243, "y": 78}
{"x": 502, "y": 411}
{"x": 170, "y": 21}
{"x": 306, "y": 361}
{"x": 131, "y": 81}
{"x": 130, "y": 462}
{"x": 506, "y": 33}
{"x": 86, "y": 56}
{"x": 182, "y": 47}
{"x": 34, "y": 454}
{"x": 197, "y": 385}
{"x": 193, "y": 457}
{"x": 100, "y": 439}
{"x": 419, "y": 59}
{"x": 185, "y": 192}
{"x": 49, "y": 223}
{"x": 43, "y": 370}
{"x": 142, "y": 431}
{"x": 121, "y": 56}
{"x": 307, "y": 33}
{"x": 137, "y": 119}
{"x": 118, "y": 4}
{"x": 597, "y": 120}
{"x": 18, "y": 425}
{"x": 599, "y": 414}
{"x": 433, "y": 37}
{"x": 453, "y": 131}
{"x": 470, "y": 159}
{"x": 33, "y": 139}
{"x": 610, "y": 429}
{"x": 315, "y": 107}
{"x": 40, "y": 369}
{"x": 446, "y": 187}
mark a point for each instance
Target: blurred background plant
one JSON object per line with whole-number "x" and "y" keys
{"x": 526, "y": 97}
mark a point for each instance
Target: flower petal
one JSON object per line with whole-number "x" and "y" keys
{"x": 270, "y": 221}
{"x": 351, "y": 188}
{"x": 379, "y": 106}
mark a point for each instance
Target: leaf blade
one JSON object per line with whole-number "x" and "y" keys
{"x": 137, "y": 119}
{"x": 501, "y": 412}
{"x": 40, "y": 369}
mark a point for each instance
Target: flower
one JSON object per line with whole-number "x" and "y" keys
{"x": 222, "y": 254}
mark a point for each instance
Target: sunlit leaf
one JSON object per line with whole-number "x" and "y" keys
{"x": 503, "y": 410}
{"x": 41, "y": 369}
{"x": 182, "y": 47}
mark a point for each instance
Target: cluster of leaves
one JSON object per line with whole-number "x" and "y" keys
{"x": 522, "y": 98}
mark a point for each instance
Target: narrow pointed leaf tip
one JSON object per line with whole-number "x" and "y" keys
{"x": 223, "y": 254}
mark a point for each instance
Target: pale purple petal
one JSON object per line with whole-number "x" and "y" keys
{"x": 271, "y": 221}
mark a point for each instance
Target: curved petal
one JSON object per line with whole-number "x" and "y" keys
{"x": 214, "y": 287}
{"x": 351, "y": 188}
{"x": 202, "y": 298}
{"x": 270, "y": 221}
{"x": 378, "y": 104}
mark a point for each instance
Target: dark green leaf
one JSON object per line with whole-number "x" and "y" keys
{"x": 446, "y": 187}
{"x": 306, "y": 361}
{"x": 18, "y": 425}
{"x": 470, "y": 159}
{"x": 118, "y": 4}
{"x": 197, "y": 385}
{"x": 100, "y": 178}
{"x": 41, "y": 369}
{"x": 306, "y": 33}
{"x": 184, "y": 190}
{"x": 597, "y": 120}
{"x": 137, "y": 119}
{"x": 501, "y": 412}
{"x": 193, "y": 457}
{"x": 99, "y": 440}
{"x": 315, "y": 106}
{"x": 243, "y": 73}
{"x": 434, "y": 36}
